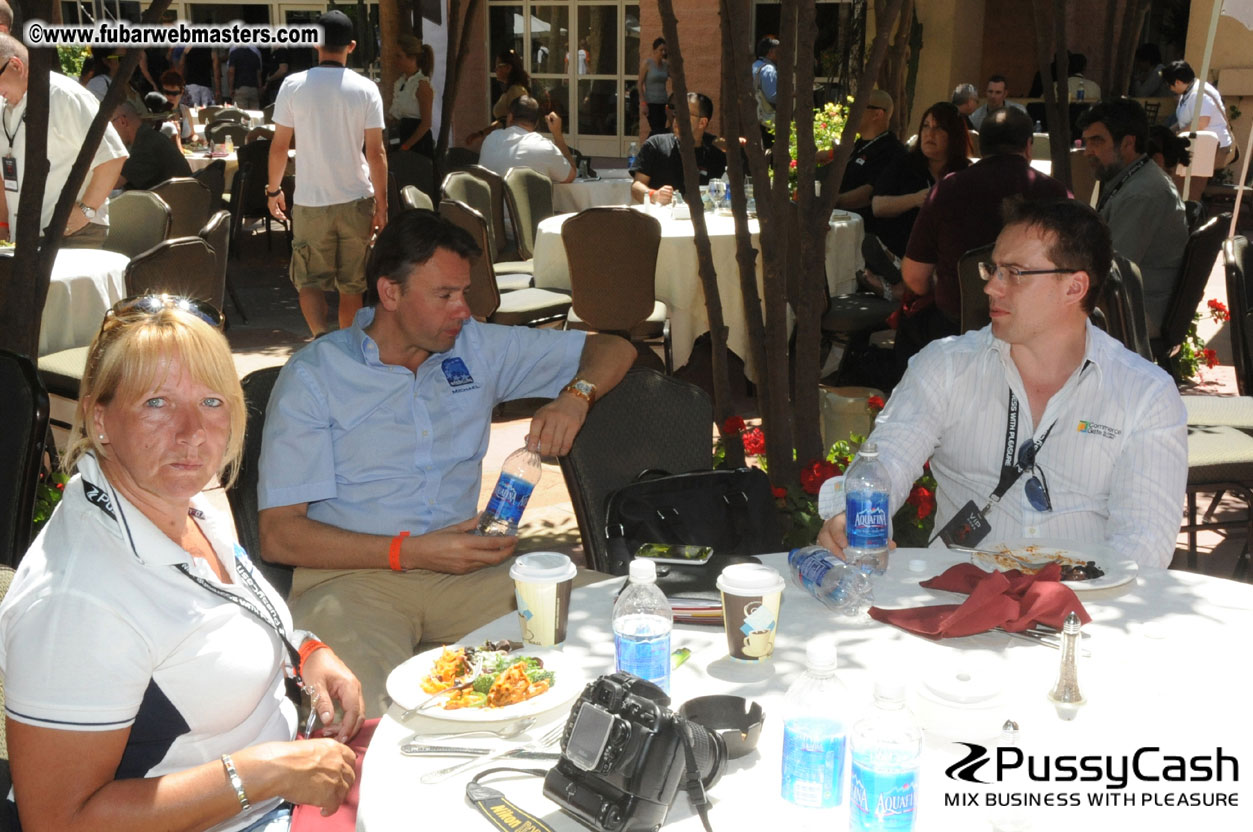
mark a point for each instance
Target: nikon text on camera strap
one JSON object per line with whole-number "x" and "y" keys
{"x": 497, "y": 809}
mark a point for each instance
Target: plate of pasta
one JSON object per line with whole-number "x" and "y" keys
{"x": 483, "y": 685}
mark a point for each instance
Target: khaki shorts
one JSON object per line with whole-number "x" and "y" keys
{"x": 329, "y": 246}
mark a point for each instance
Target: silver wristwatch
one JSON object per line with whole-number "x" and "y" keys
{"x": 88, "y": 212}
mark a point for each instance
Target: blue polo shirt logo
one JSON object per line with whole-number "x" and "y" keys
{"x": 457, "y": 373}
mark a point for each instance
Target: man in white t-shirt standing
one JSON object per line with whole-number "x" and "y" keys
{"x": 519, "y": 146}
{"x": 342, "y": 199}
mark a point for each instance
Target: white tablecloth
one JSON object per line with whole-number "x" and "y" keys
{"x": 678, "y": 282}
{"x": 1168, "y": 669}
{"x": 85, "y": 283}
{"x": 612, "y": 188}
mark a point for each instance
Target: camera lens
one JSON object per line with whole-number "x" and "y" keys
{"x": 708, "y": 749}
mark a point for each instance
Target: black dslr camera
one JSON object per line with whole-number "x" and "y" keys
{"x": 625, "y": 754}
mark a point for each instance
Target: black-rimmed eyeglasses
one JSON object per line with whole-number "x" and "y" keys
{"x": 1037, "y": 487}
{"x": 1013, "y": 274}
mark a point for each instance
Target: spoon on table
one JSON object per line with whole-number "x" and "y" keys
{"x": 505, "y": 732}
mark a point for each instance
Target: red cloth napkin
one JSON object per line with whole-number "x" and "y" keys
{"x": 1010, "y": 600}
{"x": 305, "y": 818}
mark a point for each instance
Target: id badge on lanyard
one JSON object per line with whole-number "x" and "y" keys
{"x": 10, "y": 173}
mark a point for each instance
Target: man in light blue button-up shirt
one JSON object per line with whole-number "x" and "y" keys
{"x": 381, "y": 429}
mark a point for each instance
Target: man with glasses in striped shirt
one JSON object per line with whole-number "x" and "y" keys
{"x": 1039, "y": 425}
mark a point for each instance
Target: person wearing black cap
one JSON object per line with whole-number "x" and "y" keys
{"x": 336, "y": 211}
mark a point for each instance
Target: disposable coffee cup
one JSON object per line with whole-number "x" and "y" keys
{"x": 542, "y": 582}
{"x": 751, "y": 594}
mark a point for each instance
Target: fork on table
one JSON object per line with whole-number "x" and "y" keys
{"x": 442, "y": 774}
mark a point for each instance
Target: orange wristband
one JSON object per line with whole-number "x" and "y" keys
{"x": 393, "y": 554}
{"x": 306, "y": 650}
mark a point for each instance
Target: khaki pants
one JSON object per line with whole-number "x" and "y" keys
{"x": 374, "y": 619}
{"x": 330, "y": 244}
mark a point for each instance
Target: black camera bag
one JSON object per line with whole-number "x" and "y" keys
{"x": 732, "y": 511}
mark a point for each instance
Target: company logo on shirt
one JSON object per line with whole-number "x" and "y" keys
{"x": 458, "y": 375}
{"x": 1099, "y": 430}
{"x": 99, "y": 498}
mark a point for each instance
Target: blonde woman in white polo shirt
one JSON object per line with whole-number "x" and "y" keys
{"x": 144, "y": 657}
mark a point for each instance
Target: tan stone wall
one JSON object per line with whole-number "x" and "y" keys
{"x": 472, "y": 110}
{"x": 700, "y": 38}
{"x": 952, "y": 52}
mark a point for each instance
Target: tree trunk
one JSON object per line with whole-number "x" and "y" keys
{"x": 1057, "y": 92}
{"x": 1109, "y": 75}
{"x": 723, "y": 406}
{"x": 22, "y": 297}
{"x": 391, "y": 26}
{"x": 1132, "y": 24}
{"x": 459, "y": 33}
{"x": 894, "y": 75}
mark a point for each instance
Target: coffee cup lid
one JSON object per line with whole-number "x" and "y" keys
{"x": 542, "y": 566}
{"x": 750, "y": 579}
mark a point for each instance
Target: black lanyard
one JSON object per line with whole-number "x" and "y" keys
{"x": 270, "y": 618}
{"x": 1010, "y": 469}
{"x": 1131, "y": 171}
{"x": 4, "y": 119}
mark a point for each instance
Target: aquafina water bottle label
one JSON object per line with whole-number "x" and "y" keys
{"x": 882, "y": 801}
{"x": 509, "y": 498}
{"x": 813, "y": 762}
{"x": 812, "y": 570}
{"x": 867, "y": 525}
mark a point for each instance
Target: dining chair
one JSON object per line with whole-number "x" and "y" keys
{"x": 25, "y": 429}
{"x": 213, "y": 177}
{"x": 458, "y": 157}
{"x": 413, "y": 169}
{"x": 1232, "y": 411}
{"x": 503, "y": 251}
{"x": 648, "y": 421}
{"x": 242, "y": 495}
{"x": 1121, "y": 302}
{"x": 1082, "y": 179}
{"x": 231, "y": 114}
{"x": 475, "y": 192}
{"x": 248, "y": 200}
{"x": 524, "y": 307}
{"x": 974, "y": 301}
{"x": 138, "y": 220}
{"x": 1220, "y": 459}
{"x": 185, "y": 266}
{"x": 530, "y": 195}
{"x": 190, "y": 201}
{"x": 207, "y": 114}
{"x": 217, "y": 233}
{"x": 612, "y": 253}
{"x": 1202, "y": 249}
{"x": 222, "y": 129}
{"x": 413, "y": 197}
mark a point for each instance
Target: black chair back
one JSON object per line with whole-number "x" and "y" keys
{"x": 242, "y": 495}
{"x": 412, "y": 169}
{"x": 648, "y": 421}
{"x": 1122, "y": 304}
{"x": 213, "y": 177}
{"x": 1235, "y": 254}
{"x": 21, "y": 448}
{"x": 186, "y": 266}
{"x": 974, "y": 308}
{"x": 1202, "y": 250}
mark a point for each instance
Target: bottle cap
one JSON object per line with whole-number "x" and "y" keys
{"x": 889, "y": 690}
{"x": 643, "y": 571}
{"x": 821, "y": 654}
{"x": 868, "y": 449}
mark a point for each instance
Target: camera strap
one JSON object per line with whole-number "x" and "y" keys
{"x": 500, "y": 812}
{"x": 695, "y": 788}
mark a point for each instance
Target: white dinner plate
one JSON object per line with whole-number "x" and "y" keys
{"x": 404, "y": 686}
{"x": 1118, "y": 569}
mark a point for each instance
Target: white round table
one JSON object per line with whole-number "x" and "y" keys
{"x": 612, "y": 188}
{"x": 1168, "y": 670}
{"x": 85, "y": 283}
{"x": 678, "y": 283}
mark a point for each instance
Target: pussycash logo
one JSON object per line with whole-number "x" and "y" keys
{"x": 1147, "y": 764}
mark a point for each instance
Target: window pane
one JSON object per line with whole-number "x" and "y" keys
{"x": 504, "y": 31}
{"x": 631, "y": 101}
{"x": 550, "y": 27}
{"x": 598, "y": 40}
{"x": 554, "y": 96}
{"x": 598, "y": 108}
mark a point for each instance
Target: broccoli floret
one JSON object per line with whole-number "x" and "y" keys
{"x": 484, "y": 683}
{"x": 531, "y": 663}
{"x": 539, "y": 675}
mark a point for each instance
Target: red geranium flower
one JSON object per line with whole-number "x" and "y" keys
{"x": 1211, "y": 357}
{"x": 754, "y": 441}
{"x": 923, "y": 500}
{"x": 816, "y": 473}
{"x": 792, "y": 164}
{"x": 779, "y": 493}
{"x": 875, "y": 404}
{"x": 1218, "y": 310}
{"x": 732, "y": 425}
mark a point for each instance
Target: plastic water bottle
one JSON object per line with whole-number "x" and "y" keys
{"x": 642, "y": 620}
{"x": 866, "y": 489}
{"x": 813, "y": 732}
{"x": 632, "y": 151}
{"x": 844, "y": 588}
{"x": 518, "y": 477}
{"x": 886, "y": 745}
